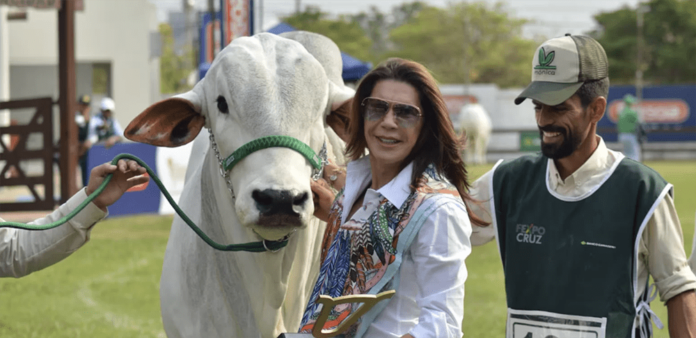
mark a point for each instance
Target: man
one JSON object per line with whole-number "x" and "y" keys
{"x": 82, "y": 118}
{"x": 628, "y": 126}
{"x": 578, "y": 227}
{"x": 23, "y": 252}
{"x": 103, "y": 127}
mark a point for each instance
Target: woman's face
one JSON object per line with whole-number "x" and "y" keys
{"x": 391, "y": 138}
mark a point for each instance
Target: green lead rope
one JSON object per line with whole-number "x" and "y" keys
{"x": 261, "y": 246}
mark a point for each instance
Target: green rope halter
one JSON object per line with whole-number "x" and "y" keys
{"x": 274, "y": 141}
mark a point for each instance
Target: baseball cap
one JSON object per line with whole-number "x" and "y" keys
{"x": 84, "y": 99}
{"x": 107, "y": 104}
{"x": 560, "y": 67}
{"x": 630, "y": 99}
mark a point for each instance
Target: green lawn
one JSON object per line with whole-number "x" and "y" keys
{"x": 109, "y": 288}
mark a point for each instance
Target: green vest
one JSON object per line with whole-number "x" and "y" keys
{"x": 570, "y": 263}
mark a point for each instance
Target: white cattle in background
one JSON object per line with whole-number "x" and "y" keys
{"x": 257, "y": 86}
{"x": 474, "y": 123}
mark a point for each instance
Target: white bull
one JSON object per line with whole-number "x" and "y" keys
{"x": 257, "y": 86}
{"x": 474, "y": 122}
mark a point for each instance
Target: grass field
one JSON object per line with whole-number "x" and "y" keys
{"x": 109, "y": 288}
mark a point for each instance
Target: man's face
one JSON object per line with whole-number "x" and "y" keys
{"x": 106, "y": 113}
{"x": 562, "y": 127}
{"x": 84, "y": 109}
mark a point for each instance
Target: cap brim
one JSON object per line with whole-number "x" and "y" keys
{"x": 548, "y": 93}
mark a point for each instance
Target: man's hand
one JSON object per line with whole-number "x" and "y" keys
{"x": 323, "y": 198}
{"x": 126, "y": 175}
{"x": 111, "y": 141}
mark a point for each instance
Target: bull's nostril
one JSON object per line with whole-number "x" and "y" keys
{"x": 300, "y": 199}
{"x": 264, "y": 200}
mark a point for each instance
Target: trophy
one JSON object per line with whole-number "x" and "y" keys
{"x": 328, "y": 303}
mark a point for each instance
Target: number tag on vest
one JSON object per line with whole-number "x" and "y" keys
{"x": 542, "y": 324}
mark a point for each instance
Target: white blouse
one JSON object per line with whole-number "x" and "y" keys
{"x": 429, "y": 301}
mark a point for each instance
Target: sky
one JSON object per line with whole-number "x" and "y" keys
{"x": 550, "y": 17}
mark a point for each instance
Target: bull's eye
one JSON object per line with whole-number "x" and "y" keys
{"x": 222, "y": 104}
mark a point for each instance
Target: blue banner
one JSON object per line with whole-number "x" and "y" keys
{"x": 145, "y": 200}
{"x": 667, "y": 112}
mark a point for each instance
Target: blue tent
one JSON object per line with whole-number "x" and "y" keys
{"x": 353, "y": 69}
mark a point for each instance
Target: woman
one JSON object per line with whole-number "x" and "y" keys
{"x": 400, "y": 222}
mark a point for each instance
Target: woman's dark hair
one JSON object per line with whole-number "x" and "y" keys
{"x": 437, "y": 142}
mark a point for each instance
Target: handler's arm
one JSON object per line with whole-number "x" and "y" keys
{"x": 23, "y": 252}
{"x": 668, "y": 265}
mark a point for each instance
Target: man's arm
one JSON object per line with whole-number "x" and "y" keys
{"x": 84, "y": 147}
{"x": 681, "y": 310}
{"x": 480, "y": 191}
{"x": 692, "y": 259}
{"x": 111, "y": 141}
{"x": 668, "y": 265}
{"x": 23, "y": 252}
{"x": 92, "y": 136}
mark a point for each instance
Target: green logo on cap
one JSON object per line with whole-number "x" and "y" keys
{"x": 545, "y": 59}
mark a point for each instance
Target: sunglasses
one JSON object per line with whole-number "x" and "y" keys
{"x": 406, "y": 115}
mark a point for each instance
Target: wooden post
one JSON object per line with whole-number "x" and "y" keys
{"x": 66, "y": 99}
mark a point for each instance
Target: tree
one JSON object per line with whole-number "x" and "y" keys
{"x": 467, "y": 42}
{"x": 377, "y": 25}
{"x": 174, "y": 69}
{"x": 669, "y": 31}
{"x": 348, "y": 35}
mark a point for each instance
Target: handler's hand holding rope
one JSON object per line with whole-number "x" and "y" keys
{"x": 127, "y": 174}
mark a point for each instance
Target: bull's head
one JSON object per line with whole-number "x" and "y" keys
{"x": 257, "y": 86}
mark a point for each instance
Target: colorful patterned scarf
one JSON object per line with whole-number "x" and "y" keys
{"x": 355, "y": 256}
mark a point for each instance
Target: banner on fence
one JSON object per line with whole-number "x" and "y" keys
{"x": 666, "y": 111}
{"x": 169, "y": 164}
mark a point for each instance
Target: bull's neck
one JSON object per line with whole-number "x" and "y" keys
{"x": 267, "y": 272}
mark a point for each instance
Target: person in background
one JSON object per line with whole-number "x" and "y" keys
{"x": 628, "y": 128}
{"x": 103, "y": 127}
{"x": 82, "y": 118}
{"x": 23, "y": 251}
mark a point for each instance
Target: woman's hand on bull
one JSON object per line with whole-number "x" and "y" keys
{"x": 335, "y": 175}
{"x": 323, "y": 198}
{"x": 127, "y": 174}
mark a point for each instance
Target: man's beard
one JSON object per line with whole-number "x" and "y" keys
{"x": 555, "y": 151}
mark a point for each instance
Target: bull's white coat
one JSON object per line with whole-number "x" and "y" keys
{"x": 272, "y": 86}
{"x": 476, "y": 124}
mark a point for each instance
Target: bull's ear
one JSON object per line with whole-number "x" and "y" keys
{"x": 339, "y": 118}
{"x": 169, "y": 123}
